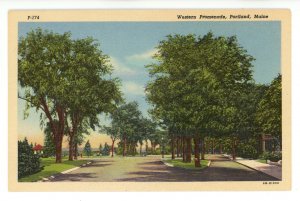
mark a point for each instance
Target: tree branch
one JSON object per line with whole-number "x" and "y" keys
{"x": 30, "y": 101}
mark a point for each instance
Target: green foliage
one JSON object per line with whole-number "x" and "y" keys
{"x": 28, "y": 162}
{"x": 272, "y": 156}
{"x": 129, "y": 125}
{"x": 248, "y": 148}
{"x": 195, "y": 84}
{"x": 87, "y": 149}
{"x": 67, "y": 80}
{"x": 50, "y": 168}
{"x": 179, "y": 163}
{"x": 270, "y": 110}
{"x": 247, "y": 151}
{"x": 106, "y": 150}
{"x": 49, "y": 146}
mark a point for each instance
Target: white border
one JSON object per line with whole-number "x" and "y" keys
{"x": 294, "y": 5}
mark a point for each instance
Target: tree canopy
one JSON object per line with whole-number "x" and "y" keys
{"x": 67, "y": 80}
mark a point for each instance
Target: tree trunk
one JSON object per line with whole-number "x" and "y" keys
{"x": 124, "y": 146}
{"x": 177, "y": 146}
{"x": 203, "y": 149}
{"x": 112, "y": 148}
{"x": 75, "y": 151}
{"x": 141, "y": 149}
{"x": 71, "y": 139}
{"x": 183, "y": 150}
{"x": 173, "y": 147}
{"x": 152, "y": 147}
{"x": 233, "y": 150}
{"x": 58, "y": 149}
{"x": 221, "y": 148}
{"x": 188, "y": 150}
{"x": 213, "y": 146}
{"x": 133, "y": 149}
{"x": 146, "y": 147}
{"x": 197, "y": 151}
{"x": 57, "y": 128}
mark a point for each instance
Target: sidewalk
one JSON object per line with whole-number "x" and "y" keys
{"x": 272, "y": 170}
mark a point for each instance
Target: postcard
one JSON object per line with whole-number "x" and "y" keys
{"x": 150, "y": 100}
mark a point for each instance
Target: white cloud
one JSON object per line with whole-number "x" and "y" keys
{"x": 121, "y": 69}
{"x": 142, "y": 56}
{"x": 133, "y": 88}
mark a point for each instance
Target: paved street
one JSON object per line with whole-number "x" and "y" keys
{"x": 151, "y": 168}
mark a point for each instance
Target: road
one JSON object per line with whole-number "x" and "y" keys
{"x": 150, "y": 169}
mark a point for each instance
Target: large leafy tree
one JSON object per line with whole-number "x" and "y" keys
{"x": 94, "y": 93}
{"x": 145, "y": 130}
{"x": 127, "y": 117}
{"x": 67, "y": 80}
{"x": 195, "y": 85}
{"x": 113, "y": 132}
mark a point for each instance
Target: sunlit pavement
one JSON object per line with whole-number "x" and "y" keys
{"x": 151, "y": 168}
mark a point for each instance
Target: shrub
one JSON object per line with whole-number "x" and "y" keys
{"x": 28, "y": 162}
{"x": 272, "y": 156}
{"x": 247, "y": 151}
{"x": 106, "y": 150}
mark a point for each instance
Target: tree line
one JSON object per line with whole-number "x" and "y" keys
{"x": 201, "y": 88}
{"x": 69, "y": 81}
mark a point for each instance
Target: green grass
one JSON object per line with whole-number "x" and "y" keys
{"x": 261, "y": 161}
{"x": 51, "y": 168}
{"x": 179, "y": 163}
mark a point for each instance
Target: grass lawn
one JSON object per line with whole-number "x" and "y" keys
{"x": 51, "y": 168}
{"x": 261, "y": 161}
{"x": 191, "y": 166}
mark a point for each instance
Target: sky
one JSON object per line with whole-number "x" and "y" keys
{"x": 130, "y": 46}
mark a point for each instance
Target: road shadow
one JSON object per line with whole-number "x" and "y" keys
{"x": 156, "y": 172}
{"x": 73, "y": 177}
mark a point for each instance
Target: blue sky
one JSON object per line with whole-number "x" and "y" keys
{"x": 130, "y": 46}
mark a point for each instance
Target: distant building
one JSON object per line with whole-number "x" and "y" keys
{"x": 38, "y": 149}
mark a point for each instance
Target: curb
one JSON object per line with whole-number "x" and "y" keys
{"x": 258, "y": 170}
{"x": 167, "y": 164}
{"x": 251, "y": 167}
{"x": 45, "y": 179}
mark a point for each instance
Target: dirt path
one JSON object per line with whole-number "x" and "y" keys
{"x": 152, "y": 169}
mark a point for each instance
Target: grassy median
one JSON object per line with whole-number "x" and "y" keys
{"x": 51, "y": 168}
{"x": 191, "y": 166}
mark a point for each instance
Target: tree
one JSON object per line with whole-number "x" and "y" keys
{"x": 42, "y": 59}
{"x": 28, "y": 162}
{"x": 194, "y": 86}
{"x": 100, "y": 149}
{"x": 87, "y": 149}
{"x": 66, "y": 80}
{"x": 105, "y": 150}
{"x": 127, "y": 117}
{"x": 145, "y": 130}
{"x": 114, "y": 133}
{"x": 49, "y": 145}
{"x": 269, "y": 113}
